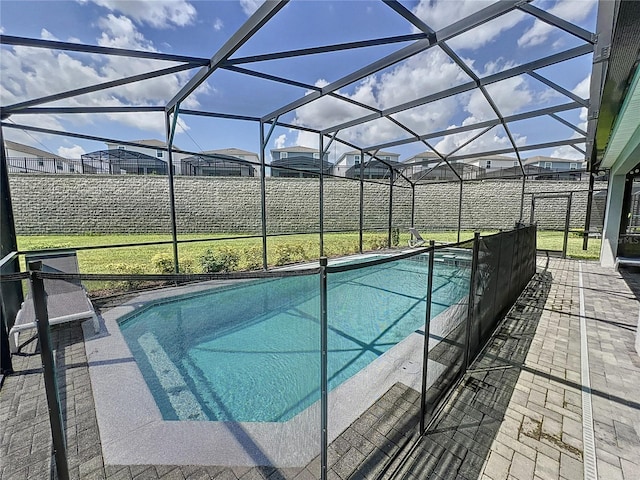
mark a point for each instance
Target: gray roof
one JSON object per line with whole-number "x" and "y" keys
{"x": 31, "y": 151}
{"x": 295, "y": 149}
{"x": 229, "y": 151}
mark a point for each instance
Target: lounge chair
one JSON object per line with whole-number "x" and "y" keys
{"x": 66, "y": 299}
{"x": 415, "y": 240}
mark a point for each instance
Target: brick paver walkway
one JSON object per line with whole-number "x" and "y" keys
{"x": 542, "y": 434}
{"x": 517, "y": 413}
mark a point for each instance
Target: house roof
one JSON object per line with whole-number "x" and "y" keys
{"x": 296, "y": 149}
{"x": 229, "y": 151}
{"x": 418, "y": 157}
{"x": 151, "y": 142}
{"x": 378, "y": 154}
{"x": 31, "y": 151}
{"x": 115, "y": 155}
{"x": 491, "y": 157}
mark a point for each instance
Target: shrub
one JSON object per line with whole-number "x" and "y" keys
{"x": 253, "y": 257}
{"x": 125, "y": 269}
{"x": 163, "y": 263}
{"x": 47, "y": 246}
{"x": 341, "y": 247}
{"x": 224, "y": 259}
{"x": 377, "y": 242}
{"x": 285, "y": 253}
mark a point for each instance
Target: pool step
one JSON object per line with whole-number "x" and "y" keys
{"x": 182, "y": 400}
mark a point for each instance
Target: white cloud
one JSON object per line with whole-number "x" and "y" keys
{"x": 250, "y": 6}
{"x": 157, "y": 13}
{"x": 47, "y": 35}
{"x": 280, "y": 141}
{"x": 39, "y": 140}
{"x": 71, "y": 152}
{"x": 582, "y": 89}
{"x": 569, "y": 153}
{"x": 571, "y": 10}
{"x": 28, "y": 73}
{"x": 440, "y": 13}
{"x": 495, "y": 139}
{"x": 218, "y": 24}
{"x": 510, "y": 96}
{"x": 420, "y": 75}
{"x": 565, "y": 151}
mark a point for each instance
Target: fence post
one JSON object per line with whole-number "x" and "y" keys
{"x": 427, "y": 325}
{"x": 48, "y": 365}
{"x": 567, "y": 224}
{"x": 587, "y": 219}
{"x": 361, "y": 220}
{"x": 6, "y": 366}
{"x": 472, "y": 286}
{"x": 323, "y": 370}
{"x": 390, "y": 206}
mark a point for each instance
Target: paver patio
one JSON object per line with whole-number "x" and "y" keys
{"x": 518, "y": 413}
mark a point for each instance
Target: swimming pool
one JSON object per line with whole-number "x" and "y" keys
{"x": 250, "y": 353}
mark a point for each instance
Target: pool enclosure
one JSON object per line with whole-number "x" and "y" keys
{"x": 498, "y": 267}
{"x": 279, "y": 101}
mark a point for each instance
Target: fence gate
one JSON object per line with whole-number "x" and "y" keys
{"x": 547, "y": 215}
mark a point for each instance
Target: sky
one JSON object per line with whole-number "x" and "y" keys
{"x": 199, "y": 28}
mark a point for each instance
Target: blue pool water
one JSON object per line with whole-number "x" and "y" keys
{"x": 250, "y": 353}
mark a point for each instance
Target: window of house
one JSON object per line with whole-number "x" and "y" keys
{"x": 488, "y": 164}
{"x": 356, "y": 158}
{"x": 573, "y": 166}
{"x": 284, "y": 154}
{"x": 386, "y": 158}
{"x": 72, "y": 168}
{"x": 121, "y": 147}
{"x": 547, "y": 164}
{"x": 159, "y": 153}
{"x": 41, "y": 163}
{"x": 59, "y": 165}
{"x": 515, "y": 163}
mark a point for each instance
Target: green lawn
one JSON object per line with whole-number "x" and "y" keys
{"x": 553, "y": 241}
{"x": 284, "y": 249}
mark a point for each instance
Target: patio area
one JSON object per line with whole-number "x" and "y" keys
{"x": 524, "y": 410}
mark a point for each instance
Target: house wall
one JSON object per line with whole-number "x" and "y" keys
{"x": 68, "y": 204}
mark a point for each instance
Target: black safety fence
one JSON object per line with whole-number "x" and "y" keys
{"x": 356, "y": 328}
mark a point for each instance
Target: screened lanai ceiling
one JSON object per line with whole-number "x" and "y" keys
{"x": 461, "y": 79}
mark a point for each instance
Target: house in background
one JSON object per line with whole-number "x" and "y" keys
{"x": 427, "y": 166}
{"x": 493, "y": 162}
{"x": 25, "y": 159}
{"x": 222, "y": 163}
{"x": 297, "y": 161}
{"x": 126, "y": 159}
{"x": 121, "y": 162}
{"x": 349, "y": 163}
{"x": 416, "y": 167}
{"x": 551, "y": 168}
{"x": 556, "y": 164}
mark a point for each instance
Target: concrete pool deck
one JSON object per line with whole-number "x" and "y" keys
{"x": 519, "y": 412}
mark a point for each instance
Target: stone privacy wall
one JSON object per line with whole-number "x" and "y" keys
{"x": 81, "y": 204}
